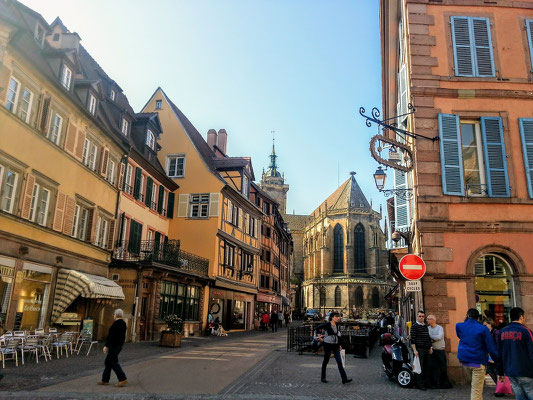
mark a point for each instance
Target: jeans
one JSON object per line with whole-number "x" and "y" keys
{"x": 274, "y": 326}
{"x": 478, "y": 380}
{"x": 111, "y": 363}
{"x": 522, "y": 387}
{"x": 437, "y": 363}
{"x": 335, "y": 349}
{"x": 423, "y": 379}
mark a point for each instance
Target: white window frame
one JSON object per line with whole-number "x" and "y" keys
{"x": 93, "y": 153}
{"x": 75, "y": 220}
{"x": 480, "y": 157}
{"x": 163, "y": 209}
{"x": 34, "y": 200}
{"x": 124, "y": 126}
{"x": 56, "y": 123}
{"x": 112, "y": 95}
{"x": 39, "y": 210}
{"x": 28, "y": 104}
{"x": 66, "y": 76}
{"x": 245, "y": 186}
{"x": 175, "y": 174}
{"x": 12, "y": 95}
{"x": 127, "y": 177}
{"x": 3, "y": 181}
{"x": 85, "y": 153}
{"x": 199, "y": 205}
{"x": 153, "y": 199}
{"x": 36, "y": 34}
{"x": 150, "y": 139}
{"x": 81, "y": 230}
{"x": 92, "y": 104}
{"x": 102, "y": 228}
{"x": 111, "y": 172}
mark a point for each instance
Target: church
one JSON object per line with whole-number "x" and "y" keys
{"x": 340, "y": 258}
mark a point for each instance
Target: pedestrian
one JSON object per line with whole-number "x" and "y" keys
{"x": 287, "y": 317}
{"x": 265, "y": 320}
{"x": 274, "y": 321}
{"x": 280, "y": 319}
{"x": 113, "y": 346}
{"x": 389, "y": 320}
{"x": 331, "y": 345}
{"x": 492, "y": 369}
{"x": 421, "y": 344}
{"x": 475, "y": 345}
{"x": 437, "y": 360}
{"x": 516, "y": 352}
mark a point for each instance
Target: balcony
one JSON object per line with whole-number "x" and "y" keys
{"x": 169, "y": 253}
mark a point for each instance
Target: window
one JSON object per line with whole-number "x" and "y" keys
{"x": 526, "y": 134}
{"x": 252, "y": 227}
{"x": 359, "y": 298}
{"x": 247, "y": 262}
{"x": 150, "y": 139}
{"x": 176, "y": 167}
{"x": 338, "y": 249}
{"x": 8, "y": 180}
{"x": 102, "y": 230}
{"x": 234, "y": 214}
{"x": 127, "y": 180}
{"x": 66, "y": 76}
{"x": 39, "y": 34}
{"x": 111, "y": 172}
{"x": 124, "y": 127}
{"x": 55, "y": 38}
{"x": 158, "y": 104}
{"x": 472, "y": 47}
{"x": 85, "y": 154}
{"x": 112, "y": 94}
{"x": 245, "y": 186}
{"x": 39, "y": 204}
{"x": 375, "y": 298}
{"x": 153, "y": 204}
{"x": 92, "y": 157}
{"x": 25, "y": 105}
{"x": 266, "y": 208}
{"x": 359, "y": 249}
{"x": 268, "y": 232}
{"x": 199, "y": 205}
{"x": 54, "y": 133}
{"x": 229, "y": 255}
{"x": 180, "y": 300}
{"x": 92, "y": 104}
{"x": 81, "y": 220}
{"x": 12, "y": 95}
{"x": 473, "y": 157}
{"x": 338, "y": 296}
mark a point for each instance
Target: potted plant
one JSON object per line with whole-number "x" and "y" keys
{"x": 171, "y": 337}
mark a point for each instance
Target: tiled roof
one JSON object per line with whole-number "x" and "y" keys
{"x": 347, "y": 195}
{"x": 296, "y": 222}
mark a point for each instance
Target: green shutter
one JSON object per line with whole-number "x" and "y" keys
{"x": 160, "y": 199}
{"x": 137, "y": 184}
{"x": 495, "y": 157}
{"x": 134, "y": 245}
{"x": 526, "y": 133}
{"x": 451, "y": 156}
{"x": 149, "y": 187}
{"x": 170, "y": 205}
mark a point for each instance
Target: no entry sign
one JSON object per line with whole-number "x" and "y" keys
{"x": 412, "y": 267}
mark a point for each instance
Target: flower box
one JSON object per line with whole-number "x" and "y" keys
{"x": 170, "y": 339}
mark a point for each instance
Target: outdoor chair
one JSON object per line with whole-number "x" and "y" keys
{"x": 30, "y": 345}
{"x": 86, "y": 339}
{"x": 19, "y": 334}
{"x": 10, "y": 349}
{"x": 45, "y": 342}
{"x": 63, "y": 342}
{"x": 39, "y": 331}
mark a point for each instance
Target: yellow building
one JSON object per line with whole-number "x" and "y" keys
{"x": 215, "y": 218}
{"x": 58, "y": 175}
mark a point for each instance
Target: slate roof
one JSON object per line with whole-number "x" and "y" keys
{"x": 296, "y": 222}
{"x": 348, "y": 195}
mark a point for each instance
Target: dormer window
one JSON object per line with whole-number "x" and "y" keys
{"x": 124, "y": 127}
{"x": 39, "y": 34}
{"x": 150, "y": 139}
{"x": 158, "y": 104}
{"x": 55, "y": 38}
{"x": 92, "y": 104}
{"x": 112, "y": 95}
{"x": 66, "y": 76}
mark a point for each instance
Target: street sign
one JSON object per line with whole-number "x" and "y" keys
{"x": 412, "y": 267}
{"x": 413, "y": 286}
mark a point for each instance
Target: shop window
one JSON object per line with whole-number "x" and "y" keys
{"x": 6, "y": 284}
{"x": 180, "y": 300}
{"x": 33, "y": 298}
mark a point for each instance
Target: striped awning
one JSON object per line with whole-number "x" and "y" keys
{"x": 71, "y": 284}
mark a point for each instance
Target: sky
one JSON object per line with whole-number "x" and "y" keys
{"x": 301, "y": 68}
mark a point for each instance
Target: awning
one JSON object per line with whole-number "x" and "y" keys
{"x": 71, "y": 284}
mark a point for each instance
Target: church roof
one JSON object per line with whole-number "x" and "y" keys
{"x": 296, "y": 222}
{"x": 347, "y": 195}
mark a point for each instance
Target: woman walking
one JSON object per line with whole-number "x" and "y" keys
{"x": 331, "y": 345}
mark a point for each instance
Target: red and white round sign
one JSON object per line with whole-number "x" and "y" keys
{"x": 412, "y": 267}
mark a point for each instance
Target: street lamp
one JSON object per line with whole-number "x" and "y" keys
{"x": 380, "y": 177}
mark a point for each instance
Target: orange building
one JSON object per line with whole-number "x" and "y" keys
{"x": 467, "y": 68}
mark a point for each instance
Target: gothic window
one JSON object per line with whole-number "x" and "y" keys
{"x": 322, "y": 296}
{"x": 337, "y": 296}
{"x": 375, "y": 297}
{"x": 338, "y": 249}
{"x": 359, "y": 296}
{"x": 359, "y": 249}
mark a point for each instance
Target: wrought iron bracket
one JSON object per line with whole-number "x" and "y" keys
{"x": 374, "y": 118}
{"x": 406, "y": 194}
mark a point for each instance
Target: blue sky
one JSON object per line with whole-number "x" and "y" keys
{"x": 300, "y": 68}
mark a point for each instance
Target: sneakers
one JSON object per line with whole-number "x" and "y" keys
{"x": 122, "y": 383}
{"x": 103, "y": 383}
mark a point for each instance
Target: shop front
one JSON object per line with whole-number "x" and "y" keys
{"x": 266, "y": 303}
{"x": 233, "y": 309}
{"x": 7, "y": 273}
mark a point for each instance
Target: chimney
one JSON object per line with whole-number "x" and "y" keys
{"x": 211, "y": 138}
{"x": 222, "y": 140}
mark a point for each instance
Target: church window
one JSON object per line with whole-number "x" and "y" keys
{"x": 375, "y": 297}
{"x": 322, "y": 296}
{"x": 337, "y": 296}
{"x": 359, "y": 249}
{"x": 359, "y": 296}
{"x": 338, "y": 249}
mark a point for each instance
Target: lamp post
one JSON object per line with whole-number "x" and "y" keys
{"x": 380, "y": 177}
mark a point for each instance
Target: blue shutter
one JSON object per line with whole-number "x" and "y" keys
{"x": 451, "y": 156}
{"x": 480, "y": 28}
{"x": 401, "y": 204}
{"x": 529, "y": 29}
{"x": 526, "y": 134}
{"x": 462, "y": 46}
{"x": 495, "y": 162}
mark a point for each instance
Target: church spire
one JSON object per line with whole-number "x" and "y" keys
{"x": 273, "y": 168}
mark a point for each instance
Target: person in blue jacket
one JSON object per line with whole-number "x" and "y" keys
{"x": 516, "y": 355}
{"x": 475, "y": 345}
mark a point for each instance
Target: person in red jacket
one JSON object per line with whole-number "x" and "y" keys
{"x": 265, "y": 321}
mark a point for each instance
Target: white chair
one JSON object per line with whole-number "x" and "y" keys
{"x": 10, "y": 348}
{"x": 30, "y": 345}
{"x": 39, "y": 331}
{"x": 63, "y": 342}
{"x": 86, "y": 339}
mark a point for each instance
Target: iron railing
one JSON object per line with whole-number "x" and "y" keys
{"x": 168, "y": 253}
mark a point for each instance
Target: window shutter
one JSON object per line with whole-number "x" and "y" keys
{"x": 104, "y": 161}
{"x": 70, "y": 140}
{"x": 28, "y": 192}
{"x": 79, "y": 144}
{"x": 239, "y": 220}
{"x": 137, "y": 184}
{"x": 451, "y": 156}
{"x": 44, "y": 114}
{"x": 526, "y": 134}
{"x": 97, "y": 232}
{"x": 160, "y": 199}
{"x": 495, "y": 156}
{"x": 134, "y": 241}
{"x": 483, "y": 47}
{"x": 170, "y": 205}
{"x": 121, "y": 176}
{"x": 68, "y": 220}
{"x": 401, "y": 205}
{"x": 90, "y": 225}
{"x": 529, "y": 29}
{"x": 462, "y": 47}
{"x": 59, "y": 213}
{"x": 111, "y": 236}
{"x": 214, "y": 201}
{"x": 149, "y": 189}
{"x": 256, "y": 228}
{"x": 183, "y": 205}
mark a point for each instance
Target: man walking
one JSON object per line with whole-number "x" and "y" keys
{"x": 516, "y": 352}
{"x": 421, "y": 344}
{"x": 274, "y": 321}
{"x": 437, "y": 360}
{"x": 113, "y": 346}
{"x": 475, "y": 344}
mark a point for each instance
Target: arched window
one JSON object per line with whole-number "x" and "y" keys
{"x": 359, "y": 297}
{"x": 375, "y": 297}
{"x": 322, "y": 292}
{"x": 337, "y": 296}
{"x": 359, "y": 249}
{"x": 338, "y": 249}
{"x": 494, "y": 288}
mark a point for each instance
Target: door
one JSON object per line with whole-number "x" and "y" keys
{"x": 227, "y": 318}
{"x": 142, "y": 319}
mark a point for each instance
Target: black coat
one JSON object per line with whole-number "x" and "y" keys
{"x": 117, "y": 334}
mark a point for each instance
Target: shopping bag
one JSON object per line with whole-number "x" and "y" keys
{"x": 417, "y": 369}
{"x": 343, "y": 358}
{"x": 503, "y": 387}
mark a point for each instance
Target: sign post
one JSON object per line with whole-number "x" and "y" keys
{"x": 412, "y": 267}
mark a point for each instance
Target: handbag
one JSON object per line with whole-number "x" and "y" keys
{"x": 417, "y": 369}
{"x": 343, "y": 358}
{"x": 503, "y": 387}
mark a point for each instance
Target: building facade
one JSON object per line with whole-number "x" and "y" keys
{"x": 466, "y": 67}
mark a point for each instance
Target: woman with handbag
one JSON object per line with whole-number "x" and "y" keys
{"x": 331, "y": 345}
